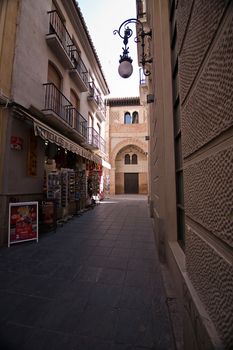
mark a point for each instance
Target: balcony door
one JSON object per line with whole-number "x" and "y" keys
{"x": 54, "y": 76}
{"x": 54, "y": 94}
{"x": 75, "y": 101}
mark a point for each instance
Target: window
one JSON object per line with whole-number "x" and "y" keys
{"x": 127, "y": 118}
{"x": 135, "y": 118}
{"x": 127, "y": 159}
{"x": 134, "y": 159}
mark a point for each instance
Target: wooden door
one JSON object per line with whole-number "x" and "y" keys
{"x": 131, "y": 183}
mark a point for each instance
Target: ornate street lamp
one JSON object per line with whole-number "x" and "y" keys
{"x": 125, "y": 68}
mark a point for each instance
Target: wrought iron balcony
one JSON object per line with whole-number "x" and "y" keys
{"x": 93, "y": 95}
{"x": 102, "y": 146}
{"x": 59, "y": 39}
{"x": 56, "y": 102}
{"x": 96, "y": 101}
{"x": 62, "y": 114}
{"x": 79, "y": 122}
{"x": 93, "y": 138}
{"x": 101, "y": 111}
{"x": 79, "y": 72}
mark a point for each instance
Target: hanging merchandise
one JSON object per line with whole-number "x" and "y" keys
{"x": 54, "y": 187}
{"x": 64, "y": 188}
{"x": 96, "y": 183}
{"x": 71, "y": 180}
{"x": 93, "y": 183}
{"x": 80, "y": 185}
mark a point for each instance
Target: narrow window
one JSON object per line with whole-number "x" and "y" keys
{"x": 127, "y": 118}
{"x": 134, "y": 159}
{"x": 135, "y": 118}
{"x": 127, "y": 159}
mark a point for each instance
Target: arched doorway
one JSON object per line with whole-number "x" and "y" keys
{"x": 131, "y": 170}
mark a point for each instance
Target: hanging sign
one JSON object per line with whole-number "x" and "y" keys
{"x": 23, "y": 222}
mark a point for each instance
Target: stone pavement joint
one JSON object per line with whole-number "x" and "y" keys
{"x": 94, "y": 284}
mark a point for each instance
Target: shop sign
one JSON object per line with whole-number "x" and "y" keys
{"x": 23, "y": 222}
{"x": 16, "y": 143}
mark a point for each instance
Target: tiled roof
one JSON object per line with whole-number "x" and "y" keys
{"x": 123, "y": 101}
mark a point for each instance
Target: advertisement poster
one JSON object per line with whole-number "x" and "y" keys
{"x": 23, "y": 222}
{"x": 16, "y": 143}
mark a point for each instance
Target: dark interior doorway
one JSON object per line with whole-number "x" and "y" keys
{"x": 131, "y": 183}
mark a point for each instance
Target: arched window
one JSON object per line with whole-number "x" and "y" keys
{"x": 134, "y": 159}
{"x": 127, "y": 118}
{"x": 135, "y": 118}
{"x": 127, "y": 159}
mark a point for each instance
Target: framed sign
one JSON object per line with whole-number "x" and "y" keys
{"x": 23, "y": 222}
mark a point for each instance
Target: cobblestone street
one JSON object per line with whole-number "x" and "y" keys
{"x": 94, "y": 284}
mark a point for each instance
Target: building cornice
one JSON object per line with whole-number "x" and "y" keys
{"x": 123, "y": 101}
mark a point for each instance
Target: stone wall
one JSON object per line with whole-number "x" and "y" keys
{"x": 205, "y": 38}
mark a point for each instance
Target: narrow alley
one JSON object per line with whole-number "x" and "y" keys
{"x": 95, "y": 283}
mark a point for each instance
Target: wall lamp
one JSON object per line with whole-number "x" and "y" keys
{"x": 125, "y": 68}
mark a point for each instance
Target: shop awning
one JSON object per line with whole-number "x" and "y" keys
{"x": 49, "y": 134}
{"x": 53, "y": 136}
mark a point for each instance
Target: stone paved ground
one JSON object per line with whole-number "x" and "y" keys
{"x": 94, "y": 284}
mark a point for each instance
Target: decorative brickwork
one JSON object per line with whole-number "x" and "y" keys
{"x": 128, "y": 129}
{"x": 114, "y": 117}
{"x": 127, "y": 142}
{"x": 183, "y": 14}
{"x": 208, "y": 194}
{"x": 208, "y": 111}
{"x": 204, "y": 21}
{"x": 212, "y": 276}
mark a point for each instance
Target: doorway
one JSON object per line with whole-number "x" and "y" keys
{"x": 131, "y": 183}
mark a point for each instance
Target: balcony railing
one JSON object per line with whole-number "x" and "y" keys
{"x": 55, "y": 101}
{"x": 101, "y": 104}
{"x": 80, "y": 66}
{"x": 102, "y": 146}
{"x": 56, "y": 26}
{"x": 93, "y": 137}
{"x": 79, "y": 122}
{"x": 93, "y": 92}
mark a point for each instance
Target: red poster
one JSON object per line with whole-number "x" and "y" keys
{"x": 16, "y": 143}
{"x": 23, "y": 222}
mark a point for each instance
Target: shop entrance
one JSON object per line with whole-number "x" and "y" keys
{"x": 131, "y": 183}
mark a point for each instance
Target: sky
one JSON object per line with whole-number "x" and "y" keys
{"x": 102, "y": 17}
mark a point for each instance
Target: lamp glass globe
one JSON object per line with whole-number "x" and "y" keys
{"x": 125, "y": 69}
